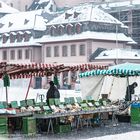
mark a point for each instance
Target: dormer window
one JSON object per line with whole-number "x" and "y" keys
{"x": 19, "y": 36}
{"x": 52, "y": 30}
{"x": 12, "y": 37}
{"x": 78, "y": 28}
{"x": 105, "y": 54}
{"x": 26, "y": 21}
{"x": 76, "y": 14}
{"x": 27, "y": 36}
{"x": 61, "y": 30}
{"x": 1, "y": 25}
{"x": 69, "y": 29}
{"x": 10, "y": 24}
{"x": 67, "y": 15}
{"x": 5, "y": 37}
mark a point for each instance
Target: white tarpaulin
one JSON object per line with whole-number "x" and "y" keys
{"x": 115, "y": 87}
{"x": 91, "y": 86}
{"x": 119, "y": 86}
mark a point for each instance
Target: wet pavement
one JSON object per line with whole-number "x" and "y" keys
{"x": 84, "y": 133}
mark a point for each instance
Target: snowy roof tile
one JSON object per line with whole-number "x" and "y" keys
{"x": 4, "y": 8}
{"x": 35, "y": 21}
{"x": 31, "y": 42}
{"x": 87, "y": 35}
{"x": 118, "y": 53}
{"x": 85, "y": 12}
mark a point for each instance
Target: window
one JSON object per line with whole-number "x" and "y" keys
{"x": 19, "y": 37}
{"x": 27, "y": 54}
{"x": 61, "y": 30}
{"x": 19, "y": 54}
{"x": 38, "y": 83}
{"x": 73, "y": 50}
{"x": 27, "y": 37}
{"x": 78, "y": 28}
{"x": 12, "y": 54}
{"x": 4, "y": 55}
{"x": 56, "y": 51}
{"x": 82, "y": 50}
{"x": 12, "y": 38}
{"x": 69, "y": 29}
{"x": 11, "y": 4}
{"x": 5, "y": 38}
{"x": 52, "y": 30}
{"x": 64, "y": 51}
{"x": 48, "y": 52}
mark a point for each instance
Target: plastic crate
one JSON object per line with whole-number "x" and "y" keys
{"x": 79, "y": 99}
{"x": 29, "y": 125}
{"x": 1, "y": 105}
{"x": 23, "y": 103}
{"x": 3, "y": 121}
{"x": 30, "y": 102}
{"x": 14, "y": 104}
{"x": 62, "y": 128}
{"x": 72, "y": 100}
{"x": 135, "y": 111}
{"x": 57, "y": 102}
{"x": 51, "y": 101}
{"x": 5, "y": 104}
{"x": 3, "y": 129}
{"x": 67, "y": 100}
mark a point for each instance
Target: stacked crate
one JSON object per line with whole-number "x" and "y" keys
{"x": 62, "y": 128}
{"x": 3, "y": 125}
{"x": 29, "y": 126}
{"x": 135, "y": 113}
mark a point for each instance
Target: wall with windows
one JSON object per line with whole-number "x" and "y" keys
{"x": 17, "y": 55}
{"x": 74, "y": 52}
{"x": 70, "y": 52}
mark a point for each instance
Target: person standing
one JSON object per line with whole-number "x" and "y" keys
{"x": 52, "y": 92}
{"x": 130, "y": 90}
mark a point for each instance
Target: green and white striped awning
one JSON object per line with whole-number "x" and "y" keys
{"x": 122, "y": 70}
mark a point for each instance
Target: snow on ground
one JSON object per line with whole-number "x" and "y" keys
{"x": 135, "y": 135}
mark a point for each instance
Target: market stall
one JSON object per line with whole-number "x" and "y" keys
{"x": 112, "y": 83}
{"x": 25, "y": 112}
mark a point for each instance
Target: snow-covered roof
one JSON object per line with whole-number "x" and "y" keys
{"x": 31, "y": 42}
{"x": 4, "y": 8}
{"x": 84, "y": 12}
{"x": 23, "y": 21}
{"x": 47, "y": 5}
{"x": 87, "y": 35}
{"x": 118, "y": 53}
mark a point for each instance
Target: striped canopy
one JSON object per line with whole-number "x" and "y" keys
{"x": 16, "y": 71}
{"x": 126, "y": 69}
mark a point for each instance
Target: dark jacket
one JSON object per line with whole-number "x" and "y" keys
{"x": 52, "y": 92}
{"x": 129, "y": 91}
